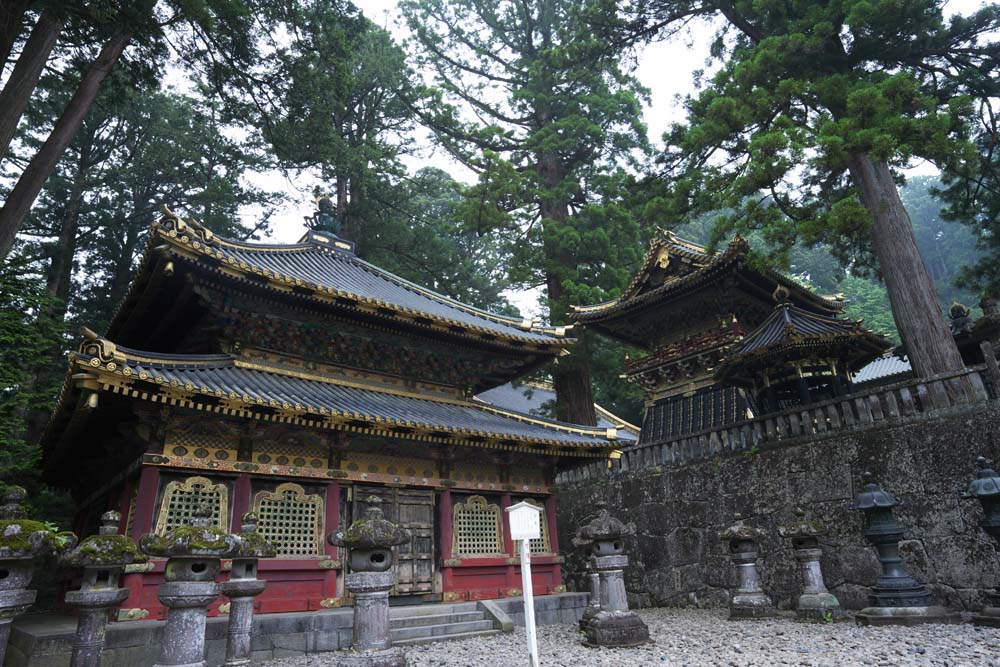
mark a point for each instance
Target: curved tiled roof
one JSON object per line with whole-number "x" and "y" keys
{"x": 703, "y": 266}
{"x": 789, "y": 328}
{"x": 329, "y": 267}
{"x": 207, "y": 379}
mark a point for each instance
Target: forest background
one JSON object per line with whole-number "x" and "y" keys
{"x": 227, "y": 110}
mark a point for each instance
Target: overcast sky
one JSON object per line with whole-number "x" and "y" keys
{"x": 665, "y": 68}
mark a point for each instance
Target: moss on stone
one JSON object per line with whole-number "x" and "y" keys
{"x": 190, "y": 541}
{"x": 24, "y": 538}
{"x": 105, "y": 550}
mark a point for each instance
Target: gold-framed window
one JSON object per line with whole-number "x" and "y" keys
{"x": 476, "y": 529}
{"x": 182, "y": 497}
{"x": 291, "y": 519}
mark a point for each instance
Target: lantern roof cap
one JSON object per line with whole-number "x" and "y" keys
{"x": 873, "y": 496}
{"x": 987, "y": 481}
{"x": 106, "y": 549}
{"x": 199, "y": 539}
{"x": 373, "y": 531}
{"x": 603, "y": 527}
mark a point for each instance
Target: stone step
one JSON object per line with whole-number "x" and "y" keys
{"x": 445, "y": 638}
{"x": 436, "y": 619}
{"x": 431, "y": 609}
{"x": 434, "y": 631}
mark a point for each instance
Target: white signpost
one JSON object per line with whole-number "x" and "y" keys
{"x": 526, "y": 524}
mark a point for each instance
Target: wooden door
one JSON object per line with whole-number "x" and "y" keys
{"x": 413, "y": 509}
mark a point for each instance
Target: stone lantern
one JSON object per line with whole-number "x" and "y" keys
{"x": 749, "y": 601}
{"x": 594, "y": 600}
{"x": 193, "y": 554}
{"x": 21, "y": 541}
{"x": 612, "y": 624}
{"x": 816, "y": 602}
{"x": 986, "y": 489}
{"x": 102, "y": 558}
{"x": 896, "y": 598}
{"x": 243, "y": 586}
{"x": 369, "y": 542}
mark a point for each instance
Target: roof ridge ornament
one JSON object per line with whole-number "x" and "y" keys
{"x": 100, "y": 349}
{"x": 176, "y": 227}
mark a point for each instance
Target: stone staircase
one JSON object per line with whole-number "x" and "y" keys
{"x": 438, "y": 623}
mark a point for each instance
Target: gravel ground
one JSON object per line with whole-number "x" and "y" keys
{"x": 692, "y": 638}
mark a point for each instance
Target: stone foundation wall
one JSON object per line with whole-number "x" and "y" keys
{"x": 679, "y": 510}
{"x": 45, "y": 640}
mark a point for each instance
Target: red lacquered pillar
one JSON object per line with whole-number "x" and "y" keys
{"x": 550, "y": 519}
{"x": 513, "y": 573}
{"x": 241, "y": 502}
{"x": 145, "y": 508}
{"x": 332, "y": 509}
{"x": 447, "y": 540}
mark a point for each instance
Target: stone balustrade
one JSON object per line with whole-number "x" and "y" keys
{"x": 899, "y": 402}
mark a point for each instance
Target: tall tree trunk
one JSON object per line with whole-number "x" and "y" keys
{"x": 11, "y": 13}
{"x": 342, "y": 206}
{"x": 60, "y": 275}
{"x": 571, "y": 374}
{"x": 23, "y": 196}
{"x": 915, "y": 308}
{"x": 24, "y": 77}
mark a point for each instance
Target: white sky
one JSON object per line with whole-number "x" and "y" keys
{"x": 665, "y": 68}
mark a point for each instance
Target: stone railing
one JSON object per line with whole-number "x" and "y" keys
{"x": 899, "y": 402}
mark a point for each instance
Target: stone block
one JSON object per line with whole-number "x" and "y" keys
{"x": 289, "y": 642}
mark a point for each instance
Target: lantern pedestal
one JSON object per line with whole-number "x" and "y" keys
{"x": 986, "y": 489}
{"x": 614, "y": 624}
{"x": 896, "y": 598}
{"x": 905, "y": 616}
{"x": 749, "y": 602}
{"x": 370, "y": 646}
{"x": 989, "y": 617}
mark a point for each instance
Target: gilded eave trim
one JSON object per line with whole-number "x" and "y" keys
{"x": 122, "y": 380}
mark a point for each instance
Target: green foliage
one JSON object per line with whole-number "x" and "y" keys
{"x": 972, "y": 192}
{"x": 802, "y": 89}
{"x": 25, "y": 348}
{"x": 527, "y": 95}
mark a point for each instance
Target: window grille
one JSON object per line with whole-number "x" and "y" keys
{"x": 540, "y": 545}
{"x": 477, "y": 529}
{"x": 290, "y": 519}
{"x": 181, "y": 499}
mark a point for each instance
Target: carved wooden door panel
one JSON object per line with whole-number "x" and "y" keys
{"x": 414, "y": 510}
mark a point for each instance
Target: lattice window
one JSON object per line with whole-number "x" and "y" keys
{"x": 181, "y": 499}
{"x": 477, "y": 528}
{"x": 290, "y": 519}
{"x": 540, "y": 545}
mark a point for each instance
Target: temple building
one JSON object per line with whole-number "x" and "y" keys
{"x": 726, "y": 340}
{"x": 293, "y": 380}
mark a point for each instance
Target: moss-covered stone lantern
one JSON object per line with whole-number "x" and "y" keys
{"x": 896, "y": 598}
{"x": 243, "y": 586}
{"x": 986, "y": 489}
{"x": 613, "y": 624}
{"x": 816, "y": 603}
{"x": 194, "y": 556}
{"x": 102, "y": 558}
{"x": 369, "y": 542}
{"x": 749, "y": 600}
{"x": 21, "y": 541}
